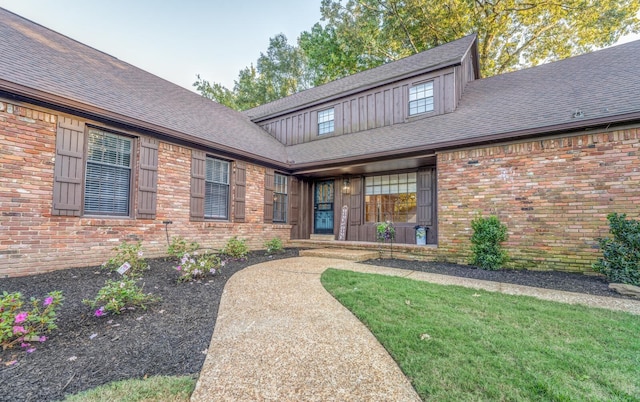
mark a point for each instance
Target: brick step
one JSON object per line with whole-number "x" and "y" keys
{"x": 340, "y": 253}
{"x": 322, "y": 237}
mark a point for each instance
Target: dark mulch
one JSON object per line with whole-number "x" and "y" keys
{"x": 170, "y": 337}
{"x": 568, "y": 281}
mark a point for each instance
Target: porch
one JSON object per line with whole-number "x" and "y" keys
{"x": 326, "y": 246}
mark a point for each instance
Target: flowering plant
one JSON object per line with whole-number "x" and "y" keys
{"x": 130, "y": 253}
{"x": 118, "y": 295}
{"x": 193, "y": 266}
{"x": 385, "y": 231}
{"x": 20, "y": 325}
{"x": 179, "y": 247}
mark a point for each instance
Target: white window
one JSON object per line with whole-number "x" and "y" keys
{"x": 421, "y": 98}
{"x": 391, "y": 198}
{"x": 108, "y": 176}
{"x": 325, "y": 121}
{"x": 216, "y": 195}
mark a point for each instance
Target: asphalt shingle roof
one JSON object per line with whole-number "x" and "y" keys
{"x": 438, "y": 57}
{"x": 603, "y": 85}
{"x": 38, "y": 58}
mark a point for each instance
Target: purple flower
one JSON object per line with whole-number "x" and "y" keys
{"x": 25, "y": 345}
{"x": 42, "y": 338}
{"x": 179, "y": 267}
{"x": 99, "y": 312}
{"x": 18, "y": 329}
{"x": 48, "y": 301}
{"x": 31, "y": 350}
{"x": 21, "y": 317}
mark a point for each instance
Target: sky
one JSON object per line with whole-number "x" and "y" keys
{"x": 177, "y": 40}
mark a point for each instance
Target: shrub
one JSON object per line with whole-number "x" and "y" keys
{"x": 235, "y": 248}
{"x": 129, "y": 253}
{"x": 117, "y": 296}
{"x": 621, "y": 254}
{"x": 488, "y": 233}
{"x": 21, "y": 325}
{"x": 195, "y": 267}
{"x": 274, "y": 246}
{"x": 180, "y": 247}
{"x": 385, "y": 231}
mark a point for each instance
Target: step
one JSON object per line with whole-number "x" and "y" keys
{"x": 322, "y": 237}
{"x": 339, "y": 253}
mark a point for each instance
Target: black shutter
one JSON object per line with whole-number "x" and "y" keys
{"x": 69, "y": 167}
{"x": 269, "y": 184}
{"x": 240, "y": 180}
{"x": 355, "y": 215}
{"x": 198, "y": 165}
{"x": 425, "y": 197}
{"x": 148, "y": 178}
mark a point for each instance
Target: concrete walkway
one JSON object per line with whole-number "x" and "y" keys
{"x": 280, "y": 336}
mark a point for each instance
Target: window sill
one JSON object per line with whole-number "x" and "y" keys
{"x": 110, "y": 221}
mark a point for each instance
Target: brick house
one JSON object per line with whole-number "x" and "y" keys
{"x": 96, "y": 151}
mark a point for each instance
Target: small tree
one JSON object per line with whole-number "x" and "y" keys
{"x": 488, "y": 233}
{"x": 621, "y": 254}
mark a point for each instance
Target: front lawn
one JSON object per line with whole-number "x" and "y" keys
{"x": 461, "y": 344}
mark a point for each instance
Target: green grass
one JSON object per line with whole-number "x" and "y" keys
{"x": 152, "y": 389}
{"x": 459, "y": 344}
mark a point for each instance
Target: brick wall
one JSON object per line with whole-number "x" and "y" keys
{"x": 32, "y": 241}
{"x": 553, "y": 195}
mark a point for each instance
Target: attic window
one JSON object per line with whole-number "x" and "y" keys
{"x": 421, "y": 98}
{"x": 325, "y": 121}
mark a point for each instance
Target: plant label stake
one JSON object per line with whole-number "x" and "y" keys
{"x": 124, "y": 268}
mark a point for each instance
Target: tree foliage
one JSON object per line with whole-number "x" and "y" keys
{"x": 355, "y": 35}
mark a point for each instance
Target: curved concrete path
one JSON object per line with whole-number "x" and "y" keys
{"x": 280, "y": 336}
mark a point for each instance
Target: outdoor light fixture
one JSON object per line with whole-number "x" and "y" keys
{"x": 346, "y": 188}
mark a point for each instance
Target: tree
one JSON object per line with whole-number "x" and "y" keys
{"x": 512, "y": 34}
{"x": 278, "y": 73}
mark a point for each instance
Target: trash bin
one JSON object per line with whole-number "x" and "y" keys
{"x": 421, "y": 235}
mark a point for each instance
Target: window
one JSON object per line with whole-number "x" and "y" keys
{"x": 391, "y": 197}
{"x": 280, "y": 198}
{"x": 216, "y": 191}
{"x": 108, "y": 174}
{"x": 421, "y": 98}
{"x": 325, "y": 122}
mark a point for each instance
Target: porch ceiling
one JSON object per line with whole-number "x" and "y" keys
{"x": 371, "y": 167}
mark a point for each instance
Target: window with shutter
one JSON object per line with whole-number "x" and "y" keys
{"x": 216, "y": 192}
{"x": 108, "y": 174}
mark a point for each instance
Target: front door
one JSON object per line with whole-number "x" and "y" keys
{"x": 323, "y": 208}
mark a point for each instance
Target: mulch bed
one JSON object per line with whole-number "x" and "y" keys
{"x": 170, "y": 337}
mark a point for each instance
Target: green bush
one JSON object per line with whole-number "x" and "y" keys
{"x": 621, "y": 254}
{"x": 129, "y": 253}
{"x": 488, "y": 233}
{"x": 192, "y": 267}
{"x": 274, "y": 246}
{"x": 180, "y": 247}
{"x": 117, "y": 296}
{"x": 235, "y": 248}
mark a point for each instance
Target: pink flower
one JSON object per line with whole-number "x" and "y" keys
{"x": 21, "y": 317}
{"x": 48, "y": 301}
{"x": 99, "y": 312}
{"x": 31, "y": 350}
{"x": 42, "y": 338}
{"x": 179, "y": 267}
{"x": 25, "y": 345}
{"x": 18, "y": 329}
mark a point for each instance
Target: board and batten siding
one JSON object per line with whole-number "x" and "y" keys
{"x": 385, "y": 105}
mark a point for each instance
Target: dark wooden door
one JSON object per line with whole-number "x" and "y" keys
{"x": 323, "y": 207}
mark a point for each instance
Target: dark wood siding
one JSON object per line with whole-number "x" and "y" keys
{"x": 240, "y": 185}
{"x": 294, "y": 206}
{"x": 269, "y": 184}
{"x": 198, "y": 171}
{"x": 378, "y": 107}
{"x": 148, "y": 178}
{"x": 69, "y": 167}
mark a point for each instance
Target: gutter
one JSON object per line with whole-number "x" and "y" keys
{"x": 54, "y": 102}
